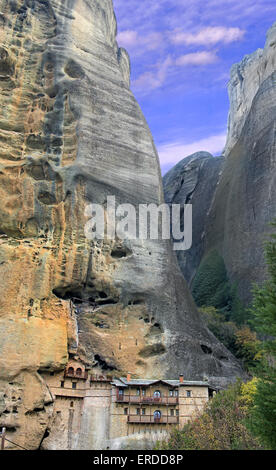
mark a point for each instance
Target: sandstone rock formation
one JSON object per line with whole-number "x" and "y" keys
{"x": 71, "y": 134}
{"x": 244, "y": 201}
{"x": 193, "y": 181}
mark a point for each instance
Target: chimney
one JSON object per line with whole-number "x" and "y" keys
{"x": 181, "y": 378}
{"x": 128, "y": 377}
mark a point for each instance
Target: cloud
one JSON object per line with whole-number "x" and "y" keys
{"x": 130, "y": 39}
{"x": 127, "y": 38}
{"x": 152, "y": 80}
{"x": 208, "y": 36}
{"x": 172, "y": 152}
{"x": 196, "y": 58}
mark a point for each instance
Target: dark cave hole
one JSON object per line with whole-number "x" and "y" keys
{"x": 66, "y": 294}
{"x": 103, "y": 295}
{"x": 34, "y": 411}
{"x": 102, "y": 363}
{"x": 10, "y": 428}
{"x": 120, "y": 253}
{"x": 102, "y": 325}
{"x": 76, "y": 295}
{"x": 223, "y": 358}
{"x": 206, "y": 349}
{"x": 102, "y": 301}
{"x": 107, "y": 302}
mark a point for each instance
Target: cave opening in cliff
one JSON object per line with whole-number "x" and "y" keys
{"x": 65, "y": 293}
{"x": 120, "y": 253}
{"x": 84, "y": 295}
{"x": 102, "y": 363}
{"x": 206, "y": 349}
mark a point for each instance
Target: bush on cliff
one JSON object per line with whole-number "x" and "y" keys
{"x": 240, "y": 340}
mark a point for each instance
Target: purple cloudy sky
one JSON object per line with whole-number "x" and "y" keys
{"x": 181, "y": 53}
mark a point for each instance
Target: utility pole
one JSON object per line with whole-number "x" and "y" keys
{"x": 3, "y": 434}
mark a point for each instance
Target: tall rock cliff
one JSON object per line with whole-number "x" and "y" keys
{"x": 246, "y": 78}
{"x": 71, "y": 134}
{"x": 193, "y": 181}
{"x": 244, "y": 200}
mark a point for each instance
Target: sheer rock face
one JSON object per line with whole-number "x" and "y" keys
{"x": 193, "y": 181}
{"x": 245, "y": 80}
{"x": 71, "y": 134}
{"x": 245, "y": 200}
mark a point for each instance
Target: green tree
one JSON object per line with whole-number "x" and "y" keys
{"x": 247, "y": 346}
{"x": 263, "y": 311}
{"x": 239, "y": 314}
{"x": 240, "y": 340}
{"x": 225, "y": 331}
{"x": 212, "y": 288}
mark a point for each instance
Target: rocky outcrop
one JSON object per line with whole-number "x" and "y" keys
{"x": 243, "y": 199}
{"x": 71, "y": 134}
{"x": 245, "y": 80}
{"x": 193, "y": 181}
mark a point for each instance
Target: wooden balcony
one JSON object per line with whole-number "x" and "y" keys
{"x": 144, "y": 400}
{"x": 147, "y": 419}
{"x": 75, "y": 375}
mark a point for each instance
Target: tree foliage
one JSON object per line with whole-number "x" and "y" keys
{"x": 222, "y": 426}
{"x": 263, "y": 311}
{"x": 240, "y": 340}
{"x": 243, "y": 416}
{"x": 212, "y": 288}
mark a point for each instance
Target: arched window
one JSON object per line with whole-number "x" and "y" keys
{"x": 157, "y": 415}
{"x": 157, "y": 394}
{"x": 71, "y": 371}
{"x": 79, "y": 371}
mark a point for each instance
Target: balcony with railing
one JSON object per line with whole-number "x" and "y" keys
{"x": 146, "y": 400}
{"x": 147, "y": 419}
{"x": 76, "y": 373}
